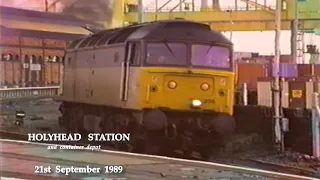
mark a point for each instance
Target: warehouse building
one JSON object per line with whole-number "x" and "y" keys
{"x": 32, "y": 45}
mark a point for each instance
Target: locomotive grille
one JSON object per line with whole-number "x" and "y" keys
{"x": 84, "y": 43}
{"x": 74, "y": 43}
{"x": 106, "y": 37}
{"x": 94, "y": 40}
{"x": 123, "y": 35}
{"x": 187, "y": 25}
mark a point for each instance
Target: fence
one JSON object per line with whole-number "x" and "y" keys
{"x": 304, "y": 124}
{"x": 29, "y": 92}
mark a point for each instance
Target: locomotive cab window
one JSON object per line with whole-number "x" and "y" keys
{"x": 135, "y": 54}
{"x": 166, "y": 54}
{"x": 211, "y": 56}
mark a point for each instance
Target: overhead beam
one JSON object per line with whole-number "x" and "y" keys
{"x": 250, "y": 20}
{"x": 260, "y": 25}
{"x": 259, "y": 20}
{"x": 208, "y": 16}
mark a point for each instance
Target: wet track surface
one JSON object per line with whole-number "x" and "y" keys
{"x": 20, "y": 161}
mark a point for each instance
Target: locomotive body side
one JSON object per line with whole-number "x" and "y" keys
{"x": 175, "y": 82}
{"x": 94, "y": 76}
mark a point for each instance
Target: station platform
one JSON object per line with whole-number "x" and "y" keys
{"x": 20, "y": 159}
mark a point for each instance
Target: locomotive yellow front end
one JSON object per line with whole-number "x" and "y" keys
{"x": 187, "y": 88}
{"x": 179, "y": 89}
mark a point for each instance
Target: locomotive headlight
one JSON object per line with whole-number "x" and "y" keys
{"x": 172, "y": 84}
{"x": 196, "y": 103}
{"x": 204, "y": 86}
{"x": 20, "y": 114}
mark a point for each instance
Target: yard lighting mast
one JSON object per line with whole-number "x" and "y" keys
{"x": 140, "y": 11}
{"x": 276, "y": 95}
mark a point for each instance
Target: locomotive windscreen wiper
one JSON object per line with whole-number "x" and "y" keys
{"x": 211, "y": 45}
{"x": 168, "y": 47}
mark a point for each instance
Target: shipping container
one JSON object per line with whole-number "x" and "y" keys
{"x": 17, "y": 70}
{"x": 286, "y": 70}
{"x": 249, "y": 73}
{"x": 48, "y": 73}
{"x": 265, "y": 91}
{"x": 300, "y": 93}
{"x": 316, "y": 69}
{"x": 262, "y": 60}
{"x": 296, "y": 93}
{"x": 240, "y": 55}
{"x": 305, "y": 70}
{"x": 8, "y": 72}
{"x": 286, "y": 59}
{"x": 2, "y": 79}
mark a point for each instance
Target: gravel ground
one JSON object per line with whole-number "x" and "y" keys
{"x": 252, "y": 147}
{"x": 42, "y": 116}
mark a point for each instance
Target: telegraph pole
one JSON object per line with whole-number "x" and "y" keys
{"x": 46, "y": 5}
{"x": 140, "y": 11}
{"x": 276, "y": 94}
{"x": 294, "y": 31}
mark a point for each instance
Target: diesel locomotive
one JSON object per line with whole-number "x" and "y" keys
{"x": 168, "y": 83}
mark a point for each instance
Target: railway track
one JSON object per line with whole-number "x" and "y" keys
{"x": 243, "y": 162}
{"x": 137, "y": 166}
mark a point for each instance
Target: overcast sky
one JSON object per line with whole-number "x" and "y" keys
{"x": 262, "y": 42}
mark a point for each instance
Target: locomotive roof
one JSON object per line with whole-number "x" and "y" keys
{"x": 159, "y": 30}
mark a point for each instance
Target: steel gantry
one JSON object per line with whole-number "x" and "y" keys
{"x": 254, "y": 17}
{"x": 299, "y": 16}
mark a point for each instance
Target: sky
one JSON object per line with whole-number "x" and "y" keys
{"x": 262, "y": 42}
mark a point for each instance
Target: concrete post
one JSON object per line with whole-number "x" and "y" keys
{"x": 316, "y": 125}
{"x": 245, "y": 94}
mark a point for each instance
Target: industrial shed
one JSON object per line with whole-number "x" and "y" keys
{"x": 32, "y": 45}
